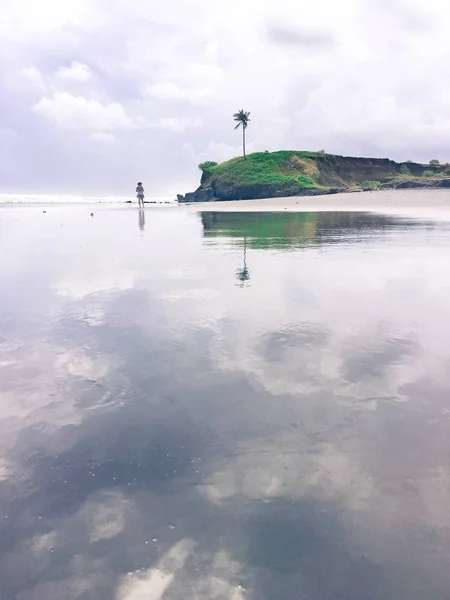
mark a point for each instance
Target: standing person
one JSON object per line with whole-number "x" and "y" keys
{"x": 140, "y": 194}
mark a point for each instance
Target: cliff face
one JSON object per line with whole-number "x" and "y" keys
{"x": 276, "y": 174}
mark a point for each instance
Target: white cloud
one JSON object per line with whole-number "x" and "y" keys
{"x": 26, "y": 20}
{"x": 223, "y": 152}
{"x": 179, "y": 124}
{"x": 34, "y": 77}
{"x": 101, "y": 136}
{"x": 171, "y": 91}
{"x": 76, "y": 72}
{"x": 347, "y": 77}
{"x": 76, "y": 112}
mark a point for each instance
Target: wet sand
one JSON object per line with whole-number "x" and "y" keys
{"x": 408, "y": 202}
{"x": 223, "y": 406}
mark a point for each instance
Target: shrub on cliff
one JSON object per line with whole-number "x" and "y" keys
{"x": 207, "y": 166}
{"x": 431, "y": 173}
{"x": 404, "y": 170}
{"x": 370, "y": 185}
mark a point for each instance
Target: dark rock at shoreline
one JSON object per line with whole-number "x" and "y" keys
{"x": 200, "y": 195}
{"x": 410, "y": 184}
{"x": 254, "y": 192}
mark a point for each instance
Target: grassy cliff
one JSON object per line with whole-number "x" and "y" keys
{"x": 292, "y": 173}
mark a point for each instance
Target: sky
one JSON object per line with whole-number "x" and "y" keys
{"x": 98, "y": 94}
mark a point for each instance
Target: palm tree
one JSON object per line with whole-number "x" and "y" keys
{"x": 242, "y": 117}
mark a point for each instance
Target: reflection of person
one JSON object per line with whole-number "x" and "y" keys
{"x": 140, "y": 193}
{"x": 141, "y": 219}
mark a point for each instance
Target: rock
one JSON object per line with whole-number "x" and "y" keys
{"x": 408, "y": 184}
{"x": 205, "y": 195}
{"x": 180, "y": 198}
{"x": 200, "y": 195}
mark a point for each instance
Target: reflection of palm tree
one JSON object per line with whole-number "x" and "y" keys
{"x": 243, "y": 274}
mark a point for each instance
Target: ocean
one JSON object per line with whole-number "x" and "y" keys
{"x": 78, "y": 199}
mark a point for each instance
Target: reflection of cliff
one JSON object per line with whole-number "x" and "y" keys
{"x": 274, "y": 230}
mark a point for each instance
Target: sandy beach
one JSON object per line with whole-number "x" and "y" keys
{"x": 405, "y": 202}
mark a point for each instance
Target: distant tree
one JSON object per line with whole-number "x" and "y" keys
{"x": 434, "y": 162}
{"x": 242, "y": 118}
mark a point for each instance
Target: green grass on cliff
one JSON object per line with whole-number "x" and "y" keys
{"x": 266, "y": 168}
{"x": 290, "y": 172}
{"x": 297, "y": 173}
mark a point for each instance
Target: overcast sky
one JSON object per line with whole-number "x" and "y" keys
{"x": 96, "y": 94}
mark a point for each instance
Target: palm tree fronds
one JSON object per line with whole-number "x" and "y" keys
{"x": 242, "y": 117}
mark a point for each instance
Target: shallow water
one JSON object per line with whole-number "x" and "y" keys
{"x": 223, "y": 406}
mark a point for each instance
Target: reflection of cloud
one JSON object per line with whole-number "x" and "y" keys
{"x": 284, "y": 466}
{"x": 214, "y": 588}
{"x": 241, "y": 419}
{"x": 196, "y": 294}
{"x": 171, "y": 574}
{"x": 80, "y": 286}
{"x": 44, "y": 543}
{"x": 375, "y": 357}
{"x": 77, "y": 363}
{"x": 49, "y": 388}
{"x": 105, "y": 515}
{"x": 152, "y": 584}
{"x": 5, "y": 469}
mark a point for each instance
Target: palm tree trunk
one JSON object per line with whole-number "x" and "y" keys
{"x": 243, "y": 139}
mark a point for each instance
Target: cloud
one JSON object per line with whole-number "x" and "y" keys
{"x": 297, "y": 37}
{"x": 172, "y": 91}
{"x": 101, "y": 136}
{"x": 34, "y": 77}
{"x": 76, "y": 72}
{"x": 24, "y": 21}
{"x": 347, "y": 77}
{"x": 77, "y": 112}
{"x": 179, "y": 124}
